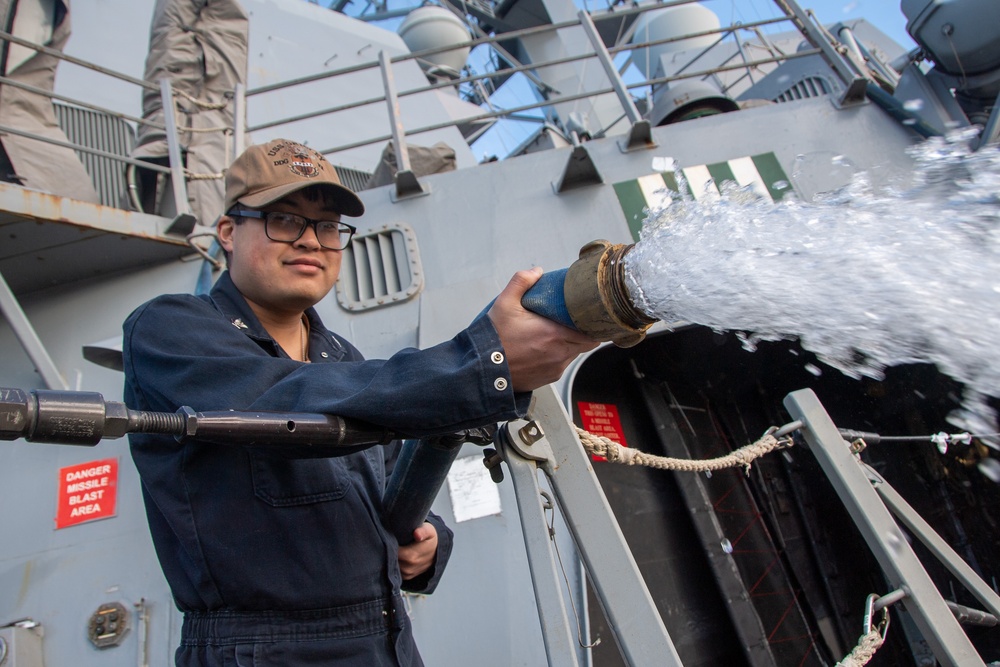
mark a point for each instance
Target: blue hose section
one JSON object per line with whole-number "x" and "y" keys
{"x": 547, "y": 298}
{"x": 205, "y": 277}
{"x": 419, "y": 473}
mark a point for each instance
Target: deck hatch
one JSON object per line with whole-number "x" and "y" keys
{"x": 380, "y": 268}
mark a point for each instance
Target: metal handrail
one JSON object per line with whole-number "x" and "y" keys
{"x": 787, "y": 14}
{"x": 722, "y": 31}
{"x": 567, "y": 98}
{"x": 80, "y": 103}
{"x": 175, "y": 165}
{"x": 86, "y": 149}
{"x": 76, "y": 61}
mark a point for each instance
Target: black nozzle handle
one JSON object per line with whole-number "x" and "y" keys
{"x": 85, "y": 418}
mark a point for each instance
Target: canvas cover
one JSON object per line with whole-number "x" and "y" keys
{"x": 201, "y": 46}
{"x": 424, "y": 160}
{"x": 32, "y": 163}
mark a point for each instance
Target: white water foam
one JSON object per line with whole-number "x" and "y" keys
{"x": 864, "y": 278}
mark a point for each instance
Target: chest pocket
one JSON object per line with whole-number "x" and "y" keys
{"x": 291, "y": 482}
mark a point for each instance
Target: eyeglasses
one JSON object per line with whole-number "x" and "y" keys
{"x": 289, "y": 228}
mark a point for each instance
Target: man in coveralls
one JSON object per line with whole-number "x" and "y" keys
{"x": 277, "y": 555}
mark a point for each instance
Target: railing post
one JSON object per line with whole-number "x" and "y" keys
{"x": 641, "y": 134}
{"x": 407, "y": 184}
{"x": 183, "y": 221}
{"x": 239, "y": 119}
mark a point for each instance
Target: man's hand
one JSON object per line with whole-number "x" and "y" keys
{"x": 418, "y": 556}
{"x": 538, "y": 350}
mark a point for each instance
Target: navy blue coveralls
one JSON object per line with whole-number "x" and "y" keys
{"x": 278, "y": 555}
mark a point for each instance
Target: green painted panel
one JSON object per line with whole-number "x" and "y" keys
{"x": 633, "y": 205}
{"x": 721, "y": 172}
{"x": 771, "y": 172}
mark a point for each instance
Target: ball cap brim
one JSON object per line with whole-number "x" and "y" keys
{"x": 265, "y": 173}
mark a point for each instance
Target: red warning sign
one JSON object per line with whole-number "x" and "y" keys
{"x": 87, "y": 492}
{"x": 602, "y": 419}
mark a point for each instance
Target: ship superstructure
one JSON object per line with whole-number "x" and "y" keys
{"x": 630, "y": 104}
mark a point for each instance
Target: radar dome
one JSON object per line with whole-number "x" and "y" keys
{"x": 668, "y": 23}
{"x": 432, "y": 27}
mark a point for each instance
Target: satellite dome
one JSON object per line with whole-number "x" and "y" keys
{"x": 431, "y": 27}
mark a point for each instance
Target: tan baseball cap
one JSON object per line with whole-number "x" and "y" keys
{"x": 265, "y": 173}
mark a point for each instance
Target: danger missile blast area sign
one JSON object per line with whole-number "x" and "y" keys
{"x": 87, "y": 492}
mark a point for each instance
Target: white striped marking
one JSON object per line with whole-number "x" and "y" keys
{"x": 746, "y": 174}
{"x": 655, "y": 191}
{"x": 701, "y": 183}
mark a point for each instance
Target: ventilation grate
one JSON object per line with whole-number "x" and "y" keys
{"x": 812, "y": 86}
{"x": 101, "y": 131}
{"x": 355, "y": 179}
{"x": 379, "y": 269}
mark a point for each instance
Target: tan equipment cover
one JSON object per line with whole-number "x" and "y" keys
{"x": 424, "y": 161}
{"x": 201, "y": 46}
{"x": 36, "y": 164}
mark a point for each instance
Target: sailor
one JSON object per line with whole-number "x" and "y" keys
{"x": 277, "y": 555}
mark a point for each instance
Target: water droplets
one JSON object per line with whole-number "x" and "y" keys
{"x": 727, "y": 546}
{"x": 990, "y": 468}
{"x": 863, "y": 278}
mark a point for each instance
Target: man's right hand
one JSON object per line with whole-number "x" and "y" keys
{"x": 538, "y": 350}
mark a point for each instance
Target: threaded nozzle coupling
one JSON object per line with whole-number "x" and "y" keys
{"x": 597, "y": 298}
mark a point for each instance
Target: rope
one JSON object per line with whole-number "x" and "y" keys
{"x": 201, "y": 103}
{"x": 863, "y": 652}
{"x": 191, "y": 176}
{"x": 598, "y": 445}
{"x": 220, "y": 128}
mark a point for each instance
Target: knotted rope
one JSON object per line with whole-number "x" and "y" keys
{"x": 201, "y": 103}
{"x": 598, "y": 445}
{"x": 863, "y": 652}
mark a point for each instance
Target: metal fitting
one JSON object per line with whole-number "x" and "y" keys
{"x": 16, "y": 414}
{"x": 597, "y": 299}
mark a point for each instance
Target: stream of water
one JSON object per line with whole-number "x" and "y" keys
{"x": 864, "y": 277}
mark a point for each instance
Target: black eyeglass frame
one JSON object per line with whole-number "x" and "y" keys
{"x": 307, "y": 222}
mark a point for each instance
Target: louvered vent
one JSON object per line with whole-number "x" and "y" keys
{"x": 812, "y": 86}
{"x": 355, "y": 179}
{"x": 95, "y": 129}
{"x": 379, "y": 269}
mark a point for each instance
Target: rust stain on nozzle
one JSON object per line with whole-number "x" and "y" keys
{"x": 597, "y": 299}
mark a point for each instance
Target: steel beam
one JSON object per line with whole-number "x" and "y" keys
{"x": 632, "y": 615}
{"x": 899, "y": 563}
{"x": 29, "y": 340}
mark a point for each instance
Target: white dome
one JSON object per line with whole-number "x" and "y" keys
{"x": 671, "y": 22}
{"x": 432, "y": 27}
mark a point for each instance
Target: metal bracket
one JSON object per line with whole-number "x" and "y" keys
{"x": 407, "y": 186}
{"x": 580, "y": 172}
{"x": 182, "y": 225}
{"x": 528, "y": 441}
{"x": 855, "y": 94}
{"x": 640, "y": 137}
